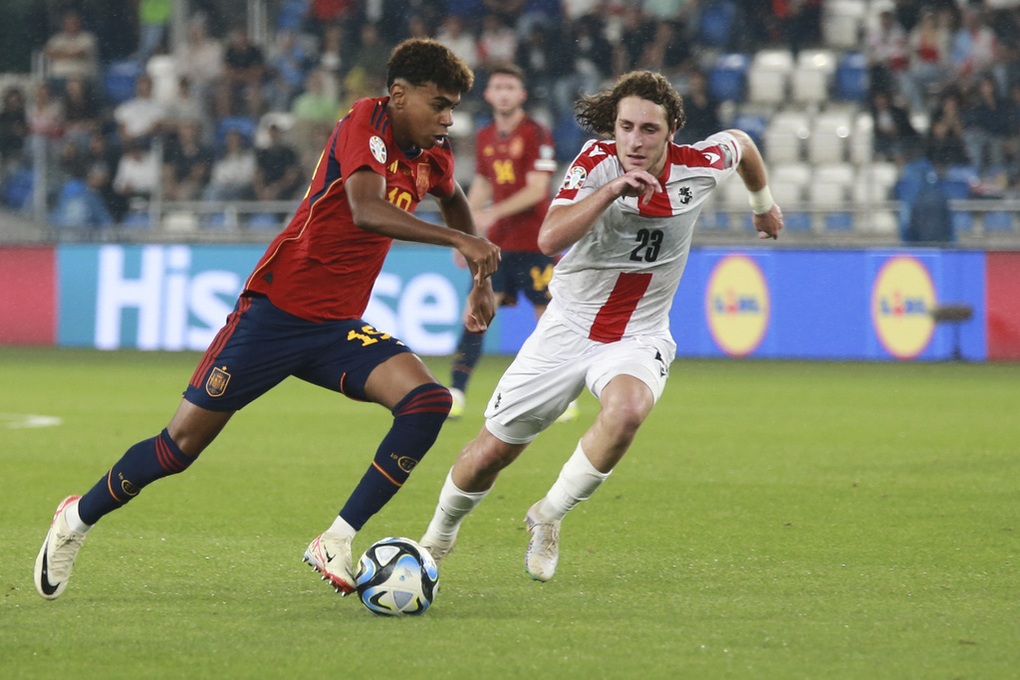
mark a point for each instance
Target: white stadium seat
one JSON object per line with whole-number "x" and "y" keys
{"x": 842, "y": 23}
{"x": 784, "y": 137}
{"x": 812, "y": 75}
{"x": 829, "y": 133}
{"x": 769, "y": 75}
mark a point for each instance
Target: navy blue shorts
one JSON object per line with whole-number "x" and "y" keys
{"x": 527, "y": 273}
{"x": 260, "y": 345}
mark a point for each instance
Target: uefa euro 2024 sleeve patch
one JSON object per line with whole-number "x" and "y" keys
{"x": 378, "y": 148}
{"x": 575, "y": 178}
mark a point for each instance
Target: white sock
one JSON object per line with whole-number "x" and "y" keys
{"x": 73, "y": 519}
{"x": 578, "y": 480}
{"x": 453, "y": 506}
{"x": 341, "y": 528}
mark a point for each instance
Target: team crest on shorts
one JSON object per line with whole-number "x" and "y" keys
{"x": 216, "y": 385}
{"x": 378, "y": 148}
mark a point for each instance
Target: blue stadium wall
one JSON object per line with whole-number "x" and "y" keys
{"x": 762, "y": 303}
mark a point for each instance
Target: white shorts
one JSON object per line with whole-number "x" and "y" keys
{"x": 556, "y": 363}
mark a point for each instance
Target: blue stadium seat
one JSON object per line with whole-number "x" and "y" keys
{"x": 246, "y": 126}
{"x": 264, "y": 221}
{"x": 119, "y": 80}
{"x": 727, "y": 79}
{"x": 17, "y": 189}
{"x": 958, "y": 189}
{"x": 797, "y": 221}
{"x": 715, "y": 26}
{"x": 753, "y": 125}
{"x": 851, "y": 77}
{"x": 136, "y": 219}
{"x": 999, "y": 220}
{"x": 839, "y": 221}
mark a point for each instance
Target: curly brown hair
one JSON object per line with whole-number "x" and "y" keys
{"x": 423, "y": 60}
{"x": 597, "y": 112}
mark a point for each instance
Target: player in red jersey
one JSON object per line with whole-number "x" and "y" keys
{"x": 300, "y": 311}
{"x": 509, "y": 196}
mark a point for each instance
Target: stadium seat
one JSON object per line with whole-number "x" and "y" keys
{"x": 840, "y": 174}
{"x": 754, "y": 125}
{"x": 16, "y": 191}
{"x": 119, "y": 80}
{"x": 788, "y": 193}
{"x": 842, "y": 21}
{"x": 136, "y": 219}
{"x": 830, "y": 199}
{"x": 715, "y": 25}
{"x": 862, "y": 145}
{"x": 783, "y": 140}
{"x": 850, "y": 80}
{"x": 828, "y": 140}
{"x": 954, "y": 190}
{"x": 246, "y": 126}
{"x": 727, "y": 79}
{"x": 769, "y": 75}
{"x": 811, "y": 76}
{"x": 998, "y": 220}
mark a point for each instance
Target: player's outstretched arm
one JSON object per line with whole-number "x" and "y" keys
{"x": 565, "y": 225}
{"x": 768, "y": 218}
{"x": 372, "y": 212}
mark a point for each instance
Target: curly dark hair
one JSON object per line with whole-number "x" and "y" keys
{"x": 597, "y": 112}
{"x": 423, "y": 60}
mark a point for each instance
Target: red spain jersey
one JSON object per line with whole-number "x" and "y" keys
{"x": 322, "y": 266}
{"x": 505, "y": 160}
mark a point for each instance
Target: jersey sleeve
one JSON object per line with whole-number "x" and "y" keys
{"x": 360, "y": 143}
{"x": 583, "y": 176}
{"x": 545, "y": 150}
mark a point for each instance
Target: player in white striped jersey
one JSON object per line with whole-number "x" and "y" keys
{"x": 626, "y": 212}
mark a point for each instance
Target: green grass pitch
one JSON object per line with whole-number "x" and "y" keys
{"x": 772, "y": 520}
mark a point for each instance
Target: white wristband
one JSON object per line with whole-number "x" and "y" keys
{"x": 761, "y": 201}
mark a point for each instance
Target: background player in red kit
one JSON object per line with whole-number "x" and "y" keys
{"x": 509, "y": 196}
{"x": 300, "y": 311}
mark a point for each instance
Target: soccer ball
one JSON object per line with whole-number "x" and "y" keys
{"x": 396, "y": 576}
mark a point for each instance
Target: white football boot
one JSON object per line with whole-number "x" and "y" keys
{"x": 438, "y": 547}
{"x": 459, "y": 404}
{"x": 56, "y": 557}
{"x": 331, "y": 557}
{"x": 544, "y": 547}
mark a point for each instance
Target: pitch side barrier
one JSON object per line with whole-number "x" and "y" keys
{"x": 878, "y": 304}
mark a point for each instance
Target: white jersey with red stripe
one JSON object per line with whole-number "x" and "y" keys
{"x": 620, "y": 278}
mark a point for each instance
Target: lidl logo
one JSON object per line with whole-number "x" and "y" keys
{"x": 901, "y": 302}
{"x": 737, "y": 305}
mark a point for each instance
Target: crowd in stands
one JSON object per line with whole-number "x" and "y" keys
{"x": 218, "y": 115}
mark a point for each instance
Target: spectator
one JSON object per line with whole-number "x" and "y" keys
{"x": 153, "y": 18}
{"x": 886, "y": 50}
{"x": 185, "y": 106}
{"x": 497, "y": 42}
{"x": 589, "y": 61}
{"x": 799, "y": 22}
{"x": 370, "y": 59}
{"x": 81, "y": 204}
{"x": 988, "y": 126}
{"x": 233, "y": 173}
{"x": 244, "y": 75}
{"x": 894, "y": 137}
{"x": 138, "y": 174}
{"x": 288, "y": 64}
{"x": 702, "y": 111}
{"x": 317, "y": 104}
{"x": 13, "y": 131}
{"x": 140, "y": 117}
{"x": 187, "y": 163}
{"x": 538, "y": 57}
{"x": 669, "y": 54}
{"x": 636, "y": 32}
{"x": 278, "y": 174}
{"x": 99, "y": 152}
{"x": 82, "y": 115}
{"x": 944, "y": 145}
{"x": 73, "y": 51}
{"x": 975, "y": 47}
{"x": 928, "y": 55}
{"x": 201, "y": 59}
{"x": 331, "y": 51}
{"x": 45, "y": 115}
{"x": 455, "y": 36}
